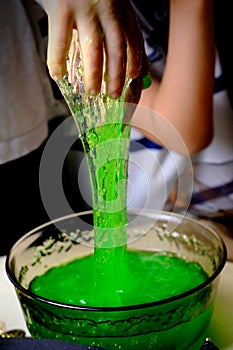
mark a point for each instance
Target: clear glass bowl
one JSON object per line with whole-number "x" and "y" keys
{"x": 171, "y": 323}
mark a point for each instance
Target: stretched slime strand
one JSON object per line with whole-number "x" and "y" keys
{"x": 105, "y": 138}
{"x": 113, "y": 275}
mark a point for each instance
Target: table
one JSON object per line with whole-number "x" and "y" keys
{"x": 220, "y": 329}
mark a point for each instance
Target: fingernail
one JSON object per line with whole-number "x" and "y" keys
{"x": 57, "y": 71}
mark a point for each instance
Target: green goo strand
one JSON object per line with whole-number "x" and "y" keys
{"x": 105, "y": 138}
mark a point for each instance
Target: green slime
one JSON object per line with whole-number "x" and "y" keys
{"x": 105, "y": 135}
{"x": 114, "y": 275}
{"x": 155, "y": 277}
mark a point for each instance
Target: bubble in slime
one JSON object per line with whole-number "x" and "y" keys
{"x": 121, "y": 291}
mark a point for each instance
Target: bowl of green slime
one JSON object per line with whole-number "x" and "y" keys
{"x": 155, "y": 292}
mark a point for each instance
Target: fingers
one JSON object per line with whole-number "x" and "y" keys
{"x": 116, "y": 58}
{"x": 59, "y": 38}
{"x": 110, "y": 40}
{"x": 91, "y": 46}
{"x": 134, "y": 40}
{"x": 73, "y": 61}
{"x": 123, "y": 44}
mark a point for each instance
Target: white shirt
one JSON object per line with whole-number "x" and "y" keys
{"x": 26, "y": 96}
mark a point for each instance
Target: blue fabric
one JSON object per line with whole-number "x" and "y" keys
{"x": 137, "y": 145}
{"x": 212, "y": 193}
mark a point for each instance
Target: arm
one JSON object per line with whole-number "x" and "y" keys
{"x": 184, "y": 96}
{"x": 105, "y": 27}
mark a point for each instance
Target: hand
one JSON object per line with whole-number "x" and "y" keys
{"x": 107, "y": 29}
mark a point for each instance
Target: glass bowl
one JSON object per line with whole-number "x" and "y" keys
{"x": 173, "y": 322}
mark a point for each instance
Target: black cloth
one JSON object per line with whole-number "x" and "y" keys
{"x": 223, "y": 31}
{"x": 22, "y": 208}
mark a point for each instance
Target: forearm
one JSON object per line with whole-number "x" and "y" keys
{"x": 185, "y": 94}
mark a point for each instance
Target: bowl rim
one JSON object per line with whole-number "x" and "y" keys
{"x": 164, "y": 301}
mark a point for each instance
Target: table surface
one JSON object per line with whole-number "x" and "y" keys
{"x": 220, "y": 329}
